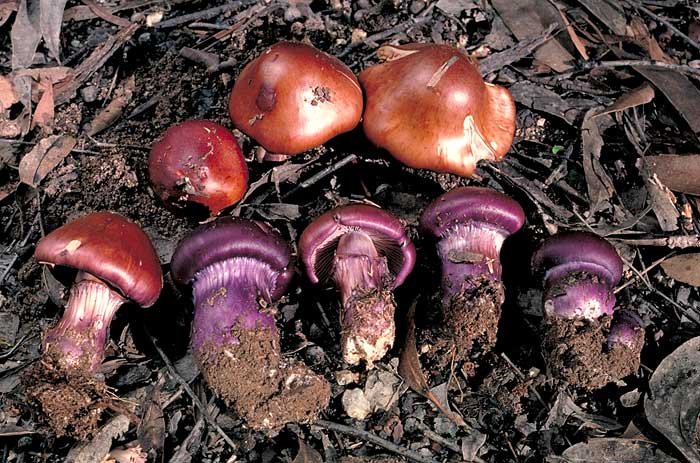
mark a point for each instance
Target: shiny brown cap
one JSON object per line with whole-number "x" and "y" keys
{"x": 110, "y": 247}
{"x": 293, "y": 97}
{"x": 429, "y": 107}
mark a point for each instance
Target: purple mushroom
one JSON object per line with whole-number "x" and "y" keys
{"x": 366, "y": 252}
{"x": 239, "y": 269}
{"x": 471, "y": 224}
{"x": 587, "y": 342}
{"x": 580, "y": 270}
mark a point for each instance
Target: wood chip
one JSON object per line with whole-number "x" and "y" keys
{"x": 44, "y": 157}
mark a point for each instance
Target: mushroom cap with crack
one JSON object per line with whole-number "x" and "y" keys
{"x": 110, "y": 247}
{"x": 198, "y": 161}
{"x": 293, "y": 97}
{"x": 230, "y": 237}
{"x": 318, "y": 242}
{"x": 578, "y": 251}
{"x": 430, "y": 108}
{"x": 472, "y": 205}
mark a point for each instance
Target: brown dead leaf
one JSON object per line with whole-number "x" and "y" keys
{"x": 663, "y": 201}
{"x": 102, "y": 12}
{"x": 609, "y": 12}
{"x": 44, "y": 111}
{"x": 306, "y": 454}
{"x": 539, "y": 98}
{"x": 575, "y": 39}
{"x": 113, "y": 111}
{"x": 25, "y": 34}
{"x": 600, "y": 186}
{"x": 680, "y": 92}
{"x": 640, "y": 31}
{"x": 684, "y": 268}
{"x": 8, "y": 94}
{"x": 44, "y": 157}
{"x": 7, "y": 7}
{"x": 526, "y": 18}
{"x": 410, "y": 369}
{"x": 55, "y": 74}
{"x": 617, "y": 450}
{"x": 635, "y": 97}
{"x": 151, "y": 429}
{"x": 98, "y": 447}
{"x": 677, "y": 172}
{"x": 50, "y": 21}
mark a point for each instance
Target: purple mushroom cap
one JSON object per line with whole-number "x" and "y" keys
{"x": 229, "y": 237}
{"x": 627, "y": 329}
{"x": 580, "y": 270}
{"x": 319, "y": 240}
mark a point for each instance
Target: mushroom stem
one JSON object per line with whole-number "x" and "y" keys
{"x": 577, "y": 293}
{"x": 226, "y": 299}
{"x": 78, "y": 340}
{"x": 368, "y": 306}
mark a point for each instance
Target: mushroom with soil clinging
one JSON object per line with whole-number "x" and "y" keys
{"x": 471, "y": 224}
{"x": 430, "y": 108}
{"x": 294, "y": 97}
{"x": 238, "y": 269}
{"x": 365, "y": 250}
{"x": 198, "y": 162}
{"x": 116, "y": 262}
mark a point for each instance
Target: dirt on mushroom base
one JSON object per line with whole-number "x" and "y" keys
{"x": 265, "y": 389}
{"x": 72, "y": 402}
{"x": 470, "y": 325}
{"x": 576, "y": 352}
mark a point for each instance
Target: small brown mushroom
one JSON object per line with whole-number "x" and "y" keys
{"x": 429, "y": 107}
{"x": 294, "y": 97}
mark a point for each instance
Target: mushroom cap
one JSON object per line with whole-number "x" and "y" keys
{"x": 293, "y": 97}
{"x": 578, "y": 251}
{"x": 229, "y": 237}
{"x": 110, "y": 247}
{"x": 387, "y": 232}
{"x": 430, "y": 108}
{"x": 200, "y": 162}
{"x": 472, "y": 204}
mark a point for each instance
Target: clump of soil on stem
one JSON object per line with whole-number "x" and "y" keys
{"x": 71, "y": 402}
{"x": 576, "y": 352}
{"x": 267, "y": 390}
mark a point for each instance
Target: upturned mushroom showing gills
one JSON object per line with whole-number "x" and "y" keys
{"x": 366, "y": 252}
{"x": 293, "y": 97}
{"x": 198, "y": 162}
{"x": 471, "y": 224}
{"x": 239, "y": 268}
{"x": 116, "y": 263}
{"x": 587, "y": 342}
{"x": 428, "y": 106}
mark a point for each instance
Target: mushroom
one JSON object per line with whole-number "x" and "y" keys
{"x": 116, "y": 262}
{"x": 293, "y": 97}
{"x": 366, "y": 252}
{"x": 239, "y": 269}
{"x": 429, "y": 107}
{"x": 471, "y": 224}
{"x": 198, "y": 162}
{"x": 587, "y": 342}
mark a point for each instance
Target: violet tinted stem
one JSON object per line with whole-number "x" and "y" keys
{"x": 226, "y": 298}
{"x": 78, "y": 340}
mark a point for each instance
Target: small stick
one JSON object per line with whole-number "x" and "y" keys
{"x": 373, "y": 438}
{"x": 321, "y": 175}
{"x": 644, "y": 272}
{"x": 205, "y": 413}
{"x": 406, "y": 25}
{"x": 200, "y": 15}
{"x": 681, "y": 68}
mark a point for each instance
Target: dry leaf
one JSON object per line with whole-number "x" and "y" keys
{"x": 542, "y": 99}
{"x": 609, "y": 12}
{"x": 151, "y": 428}
{"x": 44, "y": 111}
{"x": 677, "y": 172}
{"x": 105, "y": 14}
{"x": 115, "y": 108}
{"x": 526, "y": 18}
{"x": 679, "y": 90}
{"x": 50, "y": 21}
{"x": 7, "y": 7}
{"x": 575, "y": 39}
{"x": 663, "y": 202}
{"x": 636, "y": 97}
{"x": 684, "y": 268}
{"x": 8, "y": 94}
{"x": 98, "y": 447}
{"x": 673, "y": 403}
{"x": 600, "y": 186}
{"x": 306, "y": 454}
{"x": 411, "y": 372}
{"x": 25, "y": 34}
{"x": 55, "y": 74}
{"x": 45, "y": 155}
{"x": 613, "y": 449}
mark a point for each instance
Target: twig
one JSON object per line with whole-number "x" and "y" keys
{"x": 321, "y": 175}
{"x": 522, "y": 377}
{"x": 202, "y": 15}
{"x": 672, "y": 242}
{"x": 433, "y": 436}
{"x": 644, "y": 272}
{"x": 406, "y": 25}
{"x": 374, "y": 439}
{"x": 496, "y": 61}
{"x": 198, "y": 403}
{"x": 683, "y": 69}
{"x": 666, "y": 23}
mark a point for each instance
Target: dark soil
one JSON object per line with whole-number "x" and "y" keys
{"x": 266, "y": 390}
